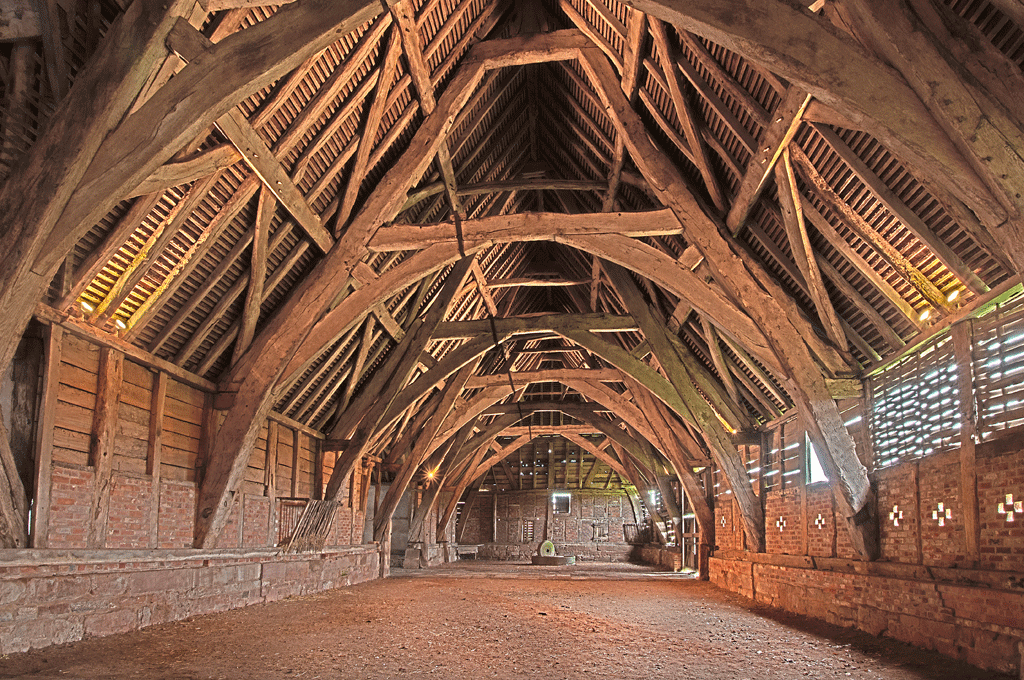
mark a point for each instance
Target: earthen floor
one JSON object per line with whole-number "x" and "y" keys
{"x": 485, "y": 619}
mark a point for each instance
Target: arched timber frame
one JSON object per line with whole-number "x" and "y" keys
{"x": 101, "y": 145}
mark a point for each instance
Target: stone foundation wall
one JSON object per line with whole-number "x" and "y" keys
{"x": 584, "y": 552}
{"x": 659, "y": 556}
{"x": 51, "y": 597}
{"x": 974, "y": 615}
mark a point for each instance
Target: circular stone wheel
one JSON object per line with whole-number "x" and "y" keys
{"x": 547, "y": 548}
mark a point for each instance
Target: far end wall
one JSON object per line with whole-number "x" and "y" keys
{"x": 511, "y": 525}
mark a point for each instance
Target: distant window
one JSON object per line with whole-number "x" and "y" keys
{"x": 561, "y": 501}
{"x": 527, "y": 530}
{"x": 815, "y": 473}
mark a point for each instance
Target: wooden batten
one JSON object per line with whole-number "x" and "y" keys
{"x": 270, "y": 479}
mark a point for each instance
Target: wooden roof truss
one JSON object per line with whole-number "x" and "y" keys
{"x": 386, "y": 223}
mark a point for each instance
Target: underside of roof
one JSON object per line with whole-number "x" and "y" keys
{"x": 421, "y": 229}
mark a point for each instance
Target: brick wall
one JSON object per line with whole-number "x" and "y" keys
{"x": 231, "y": 535}
{"x": 177, "y": 512}
{"x": 911, "y": 533}
{"x": 583, "y": 552}
{"x": 130, "y": 502}
{"x": 70, "y": 495}
{"x": 898, "y": 513}
{"x": 942, "y": 538}
{"x": 821, "y": 524}
{"x": 728, "y": 524}
{"x": 1001, "y": 473}
{"x": 46, "y": 600}
{"x": 784, "y": 522}
{"x": 257, "y": 517}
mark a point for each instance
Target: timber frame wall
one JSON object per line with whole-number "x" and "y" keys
{"x": 120, "y": 448}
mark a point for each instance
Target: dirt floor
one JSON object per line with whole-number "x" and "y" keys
{"x": 480, "y": 619}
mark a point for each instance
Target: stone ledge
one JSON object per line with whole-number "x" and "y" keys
{"x": 988, "y": 578}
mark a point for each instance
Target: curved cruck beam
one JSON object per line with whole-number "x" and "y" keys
{"x": 625, "y": 440}
{"x": 94, "y": 151}
{"x": 441, "y": 249}
{"x": 493, "y": 395}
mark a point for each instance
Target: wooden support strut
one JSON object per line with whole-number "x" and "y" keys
{"x": 697, "y": 410}
{"x": 426, "y": 437}
{"x": 850, "y": 481}
{"x": 281, "y": 337}
{"x": 101, "y": 444}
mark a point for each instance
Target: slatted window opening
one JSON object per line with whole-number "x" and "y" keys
{"x": 720, "y": 486}
{"x": 998, "y": 348}
{"x": 793, "y": 455}
{"x": 915, "y": 406}
{"x": 771, "y": 474}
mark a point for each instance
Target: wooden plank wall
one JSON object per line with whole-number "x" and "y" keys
{"x": 157, "y": 462}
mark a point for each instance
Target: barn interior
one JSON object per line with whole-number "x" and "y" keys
{"x": 295, "y": 293}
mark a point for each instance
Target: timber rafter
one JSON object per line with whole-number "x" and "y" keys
{"x": 320, "y": 173}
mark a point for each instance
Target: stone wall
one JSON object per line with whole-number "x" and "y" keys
{"x": 591, "y": 530}
{"x": 584, "y": 552}
{"x": 663, "y": 557}
{"x": 51, "y": 597}
{"x": 974, "y": 615}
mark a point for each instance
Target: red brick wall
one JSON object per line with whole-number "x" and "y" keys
{"x": 915, "y": 488}
{"x": 231, "y": 536}
{"x": 588, "y": 507}
{"x": 1001, "y": 472}
{"x": 70, "y": 496}
{"x": 784, "y": 507}
{"x": 177, "y": 514}
{"x": 256, "y": 512}
{"x": 939, "y": 479}
{"x": 821, "y": 533}
{"x": 897, "y": 488}
{"x": 59, "y": 601}
{"x": 923, "y": 589}
{"x": 728, "y": 524}
{"x": 128, "y": 521}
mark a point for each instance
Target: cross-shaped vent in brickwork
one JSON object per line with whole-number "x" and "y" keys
{"x": 723, "y": 521}
{"x": 941, "y": 514}
{"x": 1009, "y": 507}
{"x": 819, "y": 521}
{"x": 781, "y": 524}
{"x": 896, "y": 515}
